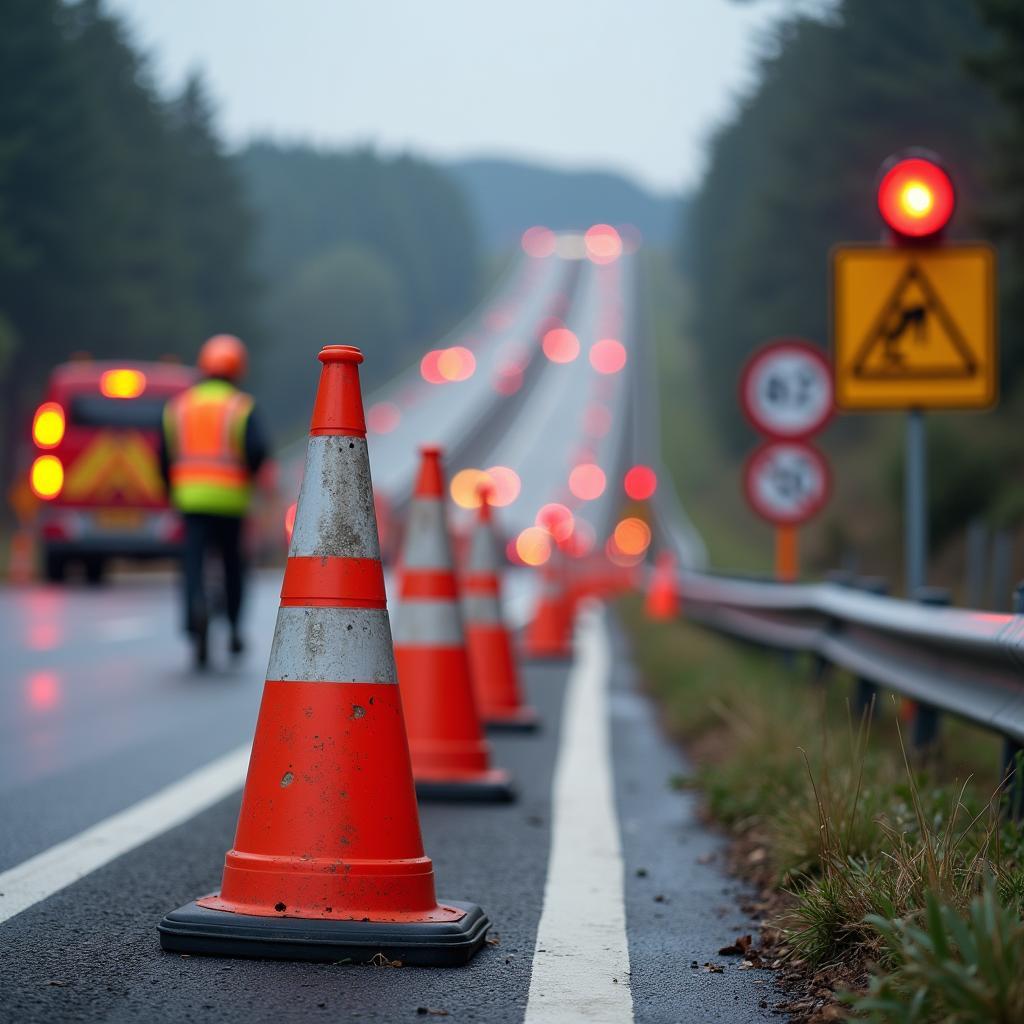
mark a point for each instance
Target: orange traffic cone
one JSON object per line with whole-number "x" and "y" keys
{"x": 662, "y": 602}
{"x": 328, "y": 861}
{"x": 549, "y": 633}
{"x": 495, "y": 676}
{"x": 450, "y": 757}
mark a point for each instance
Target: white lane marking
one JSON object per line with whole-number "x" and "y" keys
{"x": 581, "y": 960}
{"x": 41, "y": 876}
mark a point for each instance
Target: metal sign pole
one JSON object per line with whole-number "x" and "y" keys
{"x": 915, "y": 524}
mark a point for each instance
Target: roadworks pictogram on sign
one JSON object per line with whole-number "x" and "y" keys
{"x": 915, "y": 336}
{"x": 914, "y": 328}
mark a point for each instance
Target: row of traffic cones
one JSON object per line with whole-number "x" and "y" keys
{"x": 450, "y": 756}
{"x": 328, "y": 861}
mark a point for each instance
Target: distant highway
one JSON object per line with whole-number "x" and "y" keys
{"x": 120, "y": 768}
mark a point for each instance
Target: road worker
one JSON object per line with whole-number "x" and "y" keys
{"x": 212, "y": 446}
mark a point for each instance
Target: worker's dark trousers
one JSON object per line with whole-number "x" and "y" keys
{"x": 203, "y": 534}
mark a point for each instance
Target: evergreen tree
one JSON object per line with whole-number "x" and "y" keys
{"x": 123, "y": 231}
{"x": 215, "y": 224}
{"x": 1002, "y": 70}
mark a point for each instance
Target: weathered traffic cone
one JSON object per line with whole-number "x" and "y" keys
{"x": 662, "y": 601}
{"x": 328, "y": 862}
{"x": 549, "y": 633}
{"x": 451, "y": 759}
{"x": 495, "y": 676}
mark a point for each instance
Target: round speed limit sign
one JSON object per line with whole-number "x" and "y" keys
{"x": 786, "y": 389}
{"x": 786, "y": 482}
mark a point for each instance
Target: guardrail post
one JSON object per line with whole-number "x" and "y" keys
{"x": 1002, "y": 558}
{"x": 1013, "y": 752}
{"x": 925, "y": 733}
{"x": 976, "y": 549}
{"x": 1011, "y": 781}
{"x": 865, "y": 697}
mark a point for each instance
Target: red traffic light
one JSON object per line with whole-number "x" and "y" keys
{"x": 915, "y": 196}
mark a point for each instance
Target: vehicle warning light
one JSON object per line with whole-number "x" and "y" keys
{"x": 47, "y": 477}
{"x": 48, "y": 425}
{"x": 124, "y": 383}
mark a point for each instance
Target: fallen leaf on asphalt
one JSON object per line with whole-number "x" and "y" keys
{"x": 714, "y": 968}
{"x": 424, "y": 1011}
{"x": 58, "y": 984}
{"x": 705, "y": 858}
{"x": 738, "y": 948}
{"x": 380, "y": 960}
{"x": 493, "y": 940}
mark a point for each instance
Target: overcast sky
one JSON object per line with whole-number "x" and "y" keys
{"x": 631, "y": 85}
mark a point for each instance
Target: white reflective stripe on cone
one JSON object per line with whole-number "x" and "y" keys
{"x": 426, "y": 536}
{"x": 428, "y": 623}
{"x": 481, "y": 609}
{"x": 335, "y": 516}
{"x": 483, "y": 551}
{"x": 332, "y": 645}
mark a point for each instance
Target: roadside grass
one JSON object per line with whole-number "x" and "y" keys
{"x": 871, "y": 847}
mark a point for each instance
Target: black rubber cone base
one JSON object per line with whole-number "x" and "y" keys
{"x": 484, "y": 791}
{"x": 198, "y": 930}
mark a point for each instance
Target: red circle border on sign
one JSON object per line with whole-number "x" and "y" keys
{"x": 751, "y": 364}
{"x": 759, "y": 454}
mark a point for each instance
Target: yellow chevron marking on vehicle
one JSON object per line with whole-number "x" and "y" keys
{"x": 121, "y": 465}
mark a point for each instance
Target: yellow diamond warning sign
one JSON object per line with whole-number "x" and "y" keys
{"x": 914, "y": 328}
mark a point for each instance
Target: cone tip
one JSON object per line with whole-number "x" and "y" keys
{"x": 430, "y": 482}
{"x": 486, "y": 494}
{"x": 340, "y": 354}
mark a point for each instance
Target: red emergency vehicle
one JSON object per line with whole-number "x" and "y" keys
{"x": 96, "y": 465}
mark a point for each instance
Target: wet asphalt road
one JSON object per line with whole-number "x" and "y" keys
{"x": 90, "y": 952}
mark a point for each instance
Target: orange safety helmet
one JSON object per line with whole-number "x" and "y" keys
{"x": 223, "y": 355}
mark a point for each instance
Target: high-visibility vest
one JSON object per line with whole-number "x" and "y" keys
{"x": 205, "y": 430}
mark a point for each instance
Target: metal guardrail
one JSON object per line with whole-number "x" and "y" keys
{"x": 947, "y": 660}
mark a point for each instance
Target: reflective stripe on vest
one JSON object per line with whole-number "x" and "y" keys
{"x": 206, "y": 439}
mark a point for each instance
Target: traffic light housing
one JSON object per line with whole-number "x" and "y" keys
{"x": 916, "y": 197}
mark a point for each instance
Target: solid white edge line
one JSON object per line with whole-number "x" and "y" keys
{"x": 581, "y": 958}
{"x": 39, "y": 877}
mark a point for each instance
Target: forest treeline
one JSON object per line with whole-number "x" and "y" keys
{"x": 353, "y": 247}
{"x": 122, "y": 226}
{"x": 127, "y": 229}
{"x": 794, "y": 170}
